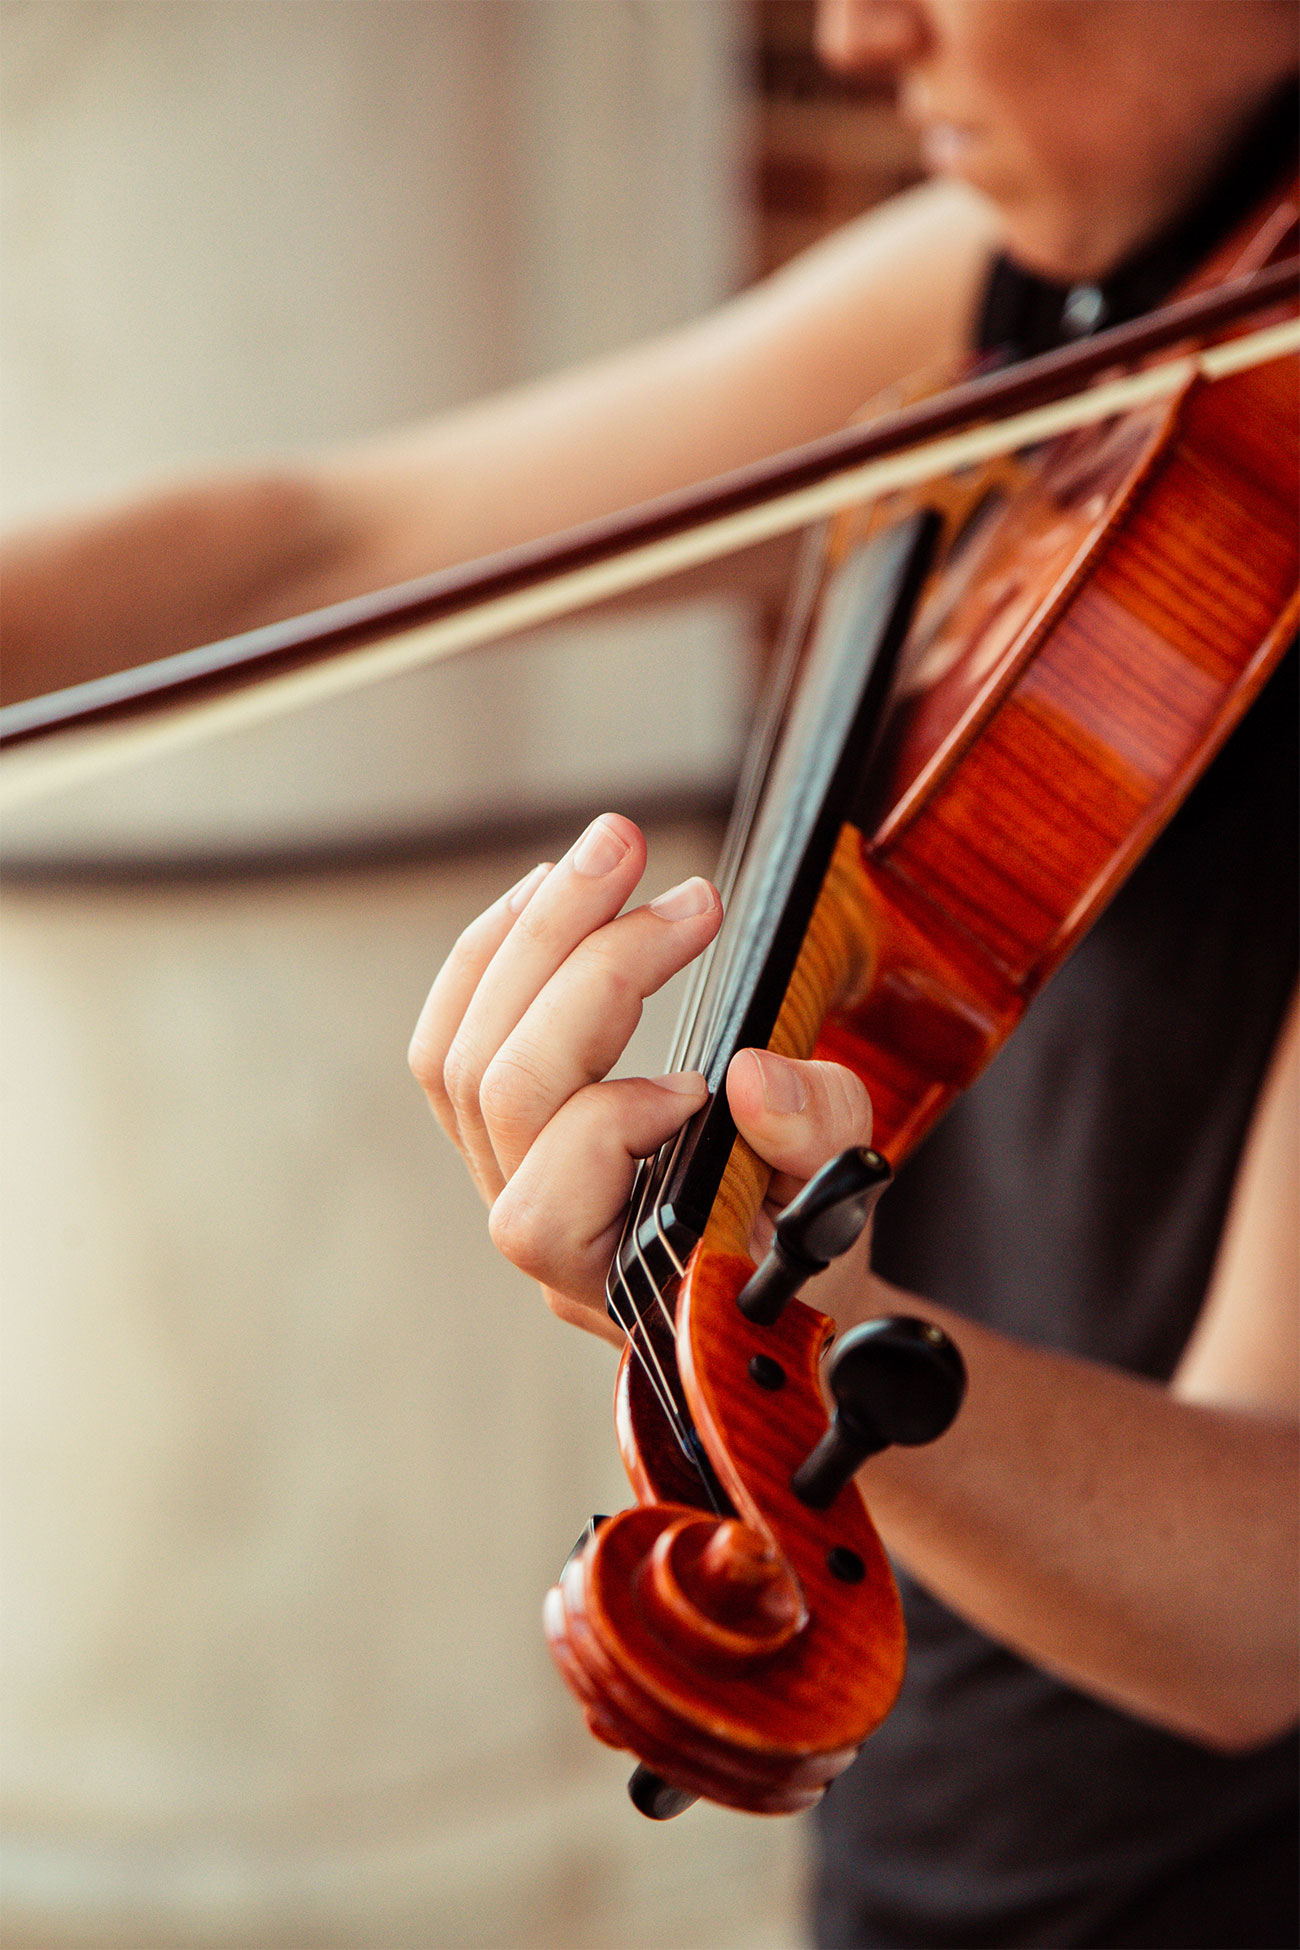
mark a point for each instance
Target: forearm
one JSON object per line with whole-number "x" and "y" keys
{"x": 782, "y": 363}
{"x": 163, "y": 574}
{"x": 1141, "y": 1546}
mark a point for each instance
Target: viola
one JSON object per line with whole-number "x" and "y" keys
{"x": 1036, "y": 616}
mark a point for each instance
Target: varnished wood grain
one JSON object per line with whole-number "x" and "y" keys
{"x": 1039, "y": 747}
{"x": 750, "y": 1726}
{"x": 834, "y": 966}
{"x": 1096, "y": 717}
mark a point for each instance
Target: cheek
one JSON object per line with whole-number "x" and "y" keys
{"x": 1001, "y": 47}
{"x": 1036, "y": 76}
{"x": 1083, "y": 125}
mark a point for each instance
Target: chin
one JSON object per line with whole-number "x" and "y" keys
{"x": 1048, "y": 235}
{"x": 1058, "y": 246}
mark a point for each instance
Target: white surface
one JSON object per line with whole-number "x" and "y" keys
{"x": 290, "y": 1458}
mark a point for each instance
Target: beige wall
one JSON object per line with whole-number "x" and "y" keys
{"x": 290, "y": 1462}
{"x": 234, "y": 227}
{"x": 236, "y": 224}
{"x": 290, "y": 1457}
{"x": 231, "y": 224}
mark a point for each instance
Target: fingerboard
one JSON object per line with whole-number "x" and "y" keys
{"x": 803, "y": 780}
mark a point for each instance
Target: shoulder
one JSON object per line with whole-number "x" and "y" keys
{"x": 890, "y": 294}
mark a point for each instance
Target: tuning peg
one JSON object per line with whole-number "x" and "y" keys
{"x": 589, "y": 1530}
{"x": 816, "y": 1227}
{"x": 655, "y": 1798}
{"x": 895, "y": 1380}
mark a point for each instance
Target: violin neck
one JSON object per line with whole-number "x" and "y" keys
{"x": 803, "y": 784}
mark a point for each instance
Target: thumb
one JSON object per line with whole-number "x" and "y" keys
{"x": 797, "y": 1116}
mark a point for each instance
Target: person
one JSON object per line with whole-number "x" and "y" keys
{"x": 1093, "y": 1745}
{"x": 1094, "y": 1742}
{"x": 1061, "y": 132}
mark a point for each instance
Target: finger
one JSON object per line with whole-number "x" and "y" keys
{"x": 559, "y": 1217}
{"x": 579, "y": 1025}
{"x": 456, "y": 982}
{"x": 584, "y": 891}
{"x": 797, "y": 1116}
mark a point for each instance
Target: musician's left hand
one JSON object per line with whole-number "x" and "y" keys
{"x": 535, "y": 1005}
{"x": 1153, "y": 1563}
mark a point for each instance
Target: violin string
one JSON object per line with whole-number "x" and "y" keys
{"x": 624, "y": 1311}
{"x": 689, "y": 1448}
{"x": 686, "y": 1439}
{"x": 753, "y": 779}
{"x": 633, "y": 1327}
{"x": 749, "y": 793}
{"x": 644, "y": 1194}
{"x": 807, "y": 584}
{"x": 643, "y": 1349}
{"x": 695, "y": 1028}
{"x": 676, "y": 1264}
{"x": 651, "y": 1199}
{"x": 661, "y": 1301}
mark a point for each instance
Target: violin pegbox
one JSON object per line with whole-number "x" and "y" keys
{"x": 895, "y": 1379}
{"x": 741, "y": 1655}
{"x": 745, "y": 1655}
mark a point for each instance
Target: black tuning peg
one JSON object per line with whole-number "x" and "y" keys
{"x": 655, "y": 1798}
{"x": 589, "y": 1530}
{"x": 895, "y": 1380}
{"x": 815, "y": 1228}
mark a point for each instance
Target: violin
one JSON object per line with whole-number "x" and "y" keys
{"x": 992, "y": 700}
{"x": 1035, "y": 615}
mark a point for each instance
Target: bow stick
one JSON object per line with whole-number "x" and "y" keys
{"x": 267, "y": 672}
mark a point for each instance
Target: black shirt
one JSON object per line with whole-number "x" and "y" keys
{"x": 1074, "y": 1198}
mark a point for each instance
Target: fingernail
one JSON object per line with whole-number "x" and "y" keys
{"x": 687, "y": 1083}
{"x": 599, "y": 851}
{"x": 694, "y": 896}
{"x": 784, "y": 1089}
{"x": 523, "y": 890}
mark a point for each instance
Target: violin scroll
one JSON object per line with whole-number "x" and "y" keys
{"x": 744, "y": 1652}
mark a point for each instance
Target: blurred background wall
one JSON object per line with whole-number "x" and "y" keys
{"x": 289, "y": 1458}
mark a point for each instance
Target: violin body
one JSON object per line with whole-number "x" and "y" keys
{"x": 1100, "y": 614}
{"x": 1130, "y": 603}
